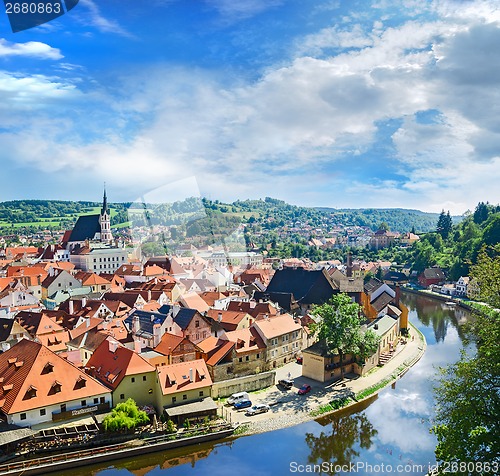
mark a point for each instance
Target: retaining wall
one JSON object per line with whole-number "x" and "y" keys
{"x": 249, "y": 383}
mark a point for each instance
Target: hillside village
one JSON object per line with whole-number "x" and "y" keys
{"x": 85, "y": 324}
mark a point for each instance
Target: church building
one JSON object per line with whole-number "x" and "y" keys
{"x": 91, "y": 243}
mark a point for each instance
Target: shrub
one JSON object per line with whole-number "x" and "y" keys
{"x": 125, "y": 416}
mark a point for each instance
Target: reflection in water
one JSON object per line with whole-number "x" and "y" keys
{"x": 436, "y": 314}
{"x": 339, "y": 445}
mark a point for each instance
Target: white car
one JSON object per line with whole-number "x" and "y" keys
{"x": 256, "y": 409}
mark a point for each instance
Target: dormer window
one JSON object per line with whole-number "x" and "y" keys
{"x": 48, "y": 368}
{"x": 56, "y": 387}
{"x": 30, "y": 393}
{"x": 80, "y": 382}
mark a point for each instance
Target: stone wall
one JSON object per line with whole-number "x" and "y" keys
{"x": 249, "y": 383}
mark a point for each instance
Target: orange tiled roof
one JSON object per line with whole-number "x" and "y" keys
{"x": 112, "y": 362}
{"x": 30, "y": 374}
{"x": 176, "y": 377}
{"x": 277, "y": 326}
{"x": 168, "y": 343}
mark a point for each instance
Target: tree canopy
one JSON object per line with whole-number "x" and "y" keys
{"x": 468, "y": 393}
{"x": 125, "y": 416}
{"x": 340, "y": 327}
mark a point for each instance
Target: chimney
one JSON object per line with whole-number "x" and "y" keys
{"x": 88, "y": 322}
{"x": 5, "y": 346}
{"x": 266, "y": 316}
{"x": 149, "y": 295}
{"x": 191, "y": 376}
{"x": 71, "y": 307}
{"x": 136, "y": 325}
{"x": 176, "y": 309}
{"x": 137, "y": 346}
{"x": 84, "y": 301}
{"x": 219, "y": 317}
{"x": 156, "y": 334}
{"x": 349, "y": 265}
{"x": 113, "y": 345}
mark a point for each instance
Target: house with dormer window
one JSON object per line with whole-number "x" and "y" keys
{"x": 38, "y": 386}
{"x": 124, "y": 372}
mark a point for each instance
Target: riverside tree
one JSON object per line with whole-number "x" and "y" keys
{"x": 468, "y": 392}
{"x": 340, "y": 326}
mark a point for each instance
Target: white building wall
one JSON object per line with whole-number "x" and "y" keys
{"x": 34, "y": 417}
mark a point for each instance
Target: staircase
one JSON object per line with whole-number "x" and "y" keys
{"x": 385, "y": 357}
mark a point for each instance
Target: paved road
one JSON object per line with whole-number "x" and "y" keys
{"x": 288, "y": 408}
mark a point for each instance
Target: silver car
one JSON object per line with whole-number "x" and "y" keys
{"x": 256, "y": 409}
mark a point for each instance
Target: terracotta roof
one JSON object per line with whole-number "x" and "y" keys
{"x": 112, "y": 362}
{"x": 176, "y": 377}
{"x": 168, "y": 343}
{"x": 194, "y": 301}
{"x": 90, "y": 279}
{"x": 220, "y": 352}
{"x": 229, "y": 320}
{"x": 277, "y": 326}
{"x": 34, "y": 374}
{"x": 246, "y": 340}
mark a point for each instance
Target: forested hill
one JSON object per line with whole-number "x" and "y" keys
{"x": 398, "y": 219}
{"x": 58, "y": 213}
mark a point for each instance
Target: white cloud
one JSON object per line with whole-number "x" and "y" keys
{"x": 98, "y": 21}
{"x": 232, "y": 11}
{"x": 18, "y": 90}
{"x": 257, "y": 138}
{"x": 33, "y": 49}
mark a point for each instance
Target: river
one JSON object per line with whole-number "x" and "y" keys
{"x": 387, "y": 435}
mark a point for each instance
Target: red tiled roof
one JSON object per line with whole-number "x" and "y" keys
{"x": 111, "y": 366}
{"x": 39, "y": 369}
{"x": 176, "y": 377}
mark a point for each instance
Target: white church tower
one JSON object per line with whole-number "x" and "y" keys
{"x": 105, "y": 221}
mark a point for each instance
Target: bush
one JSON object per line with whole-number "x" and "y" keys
{"x": 125, "y": 416}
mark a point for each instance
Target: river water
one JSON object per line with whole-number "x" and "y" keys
{"x": 387, "y": 435}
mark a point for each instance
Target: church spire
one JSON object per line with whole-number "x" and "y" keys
{"x": 104, "y": 202}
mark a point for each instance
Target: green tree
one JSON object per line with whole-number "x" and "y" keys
{"x": 340, "y": 327}
{"x": 444, "y": 224}
{"x": 125, "y": 416}
{"x": 468, "y": 400}
{"x": 487, "y": 274}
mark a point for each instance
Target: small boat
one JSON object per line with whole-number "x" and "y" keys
{"x": 451, "y": 303}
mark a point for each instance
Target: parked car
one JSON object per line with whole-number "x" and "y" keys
{"x": 242, "y": 404}
{"x": 286, "y": 383}
{"x": 256, "y": 409}
{"x": 237, "y": 397}
{"x": 304, "y": 389}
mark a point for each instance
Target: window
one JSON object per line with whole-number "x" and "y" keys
{"x": 84, "y": 403}
{"x": 143, "y": 378}
{"x": 133, "y": 379}
{"x": 174, "y": 399}
{"x": 184, "y": 397}
{"x": 122, "y": 396}
{"x": 43, "y": 412}
{"x": 63, "y": 407}
{"x": 102, "y": 400}
{"x": 258, "y": 356}
{"x": 197, "y": 324}
{"x": 23, "y": 416}
{"x": 240, "y": 359}
{"x": 96, "y": 400}
{"x": 247, "y": 358}
{"x": 201, "y": 393}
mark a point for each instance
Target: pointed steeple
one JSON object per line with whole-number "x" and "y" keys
{"x": 104, "y": 202}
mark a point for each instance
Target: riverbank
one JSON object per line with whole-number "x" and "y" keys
{"x": 287, "y": 408}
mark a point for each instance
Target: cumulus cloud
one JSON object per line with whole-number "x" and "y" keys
{"x": 317, "y": 112}
{"x": 33, "y": 49}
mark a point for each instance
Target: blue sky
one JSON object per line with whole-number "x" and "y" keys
{"x": 339, "y": 103}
